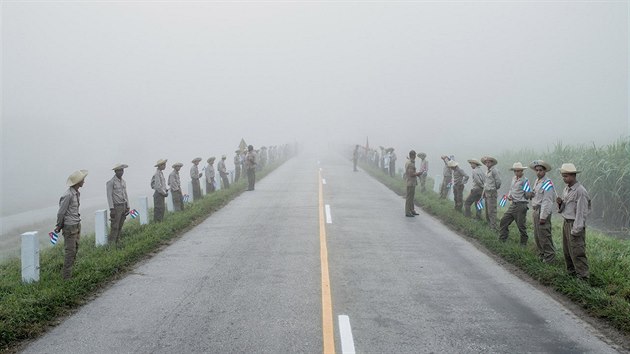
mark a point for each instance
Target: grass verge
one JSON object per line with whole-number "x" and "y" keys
{"x": 606, "y": 295}
{"x": 26, "y": 310}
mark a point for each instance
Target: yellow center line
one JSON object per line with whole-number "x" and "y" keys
{"x": 327, "y": 316}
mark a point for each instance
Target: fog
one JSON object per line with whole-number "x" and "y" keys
{"x": 88, "y": 85}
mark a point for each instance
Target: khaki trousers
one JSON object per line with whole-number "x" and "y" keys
{"x": 178, "y": 200}
{"x": 71, "y": 236}
{"x": 444, "y": 187}
{"x": 237, "y": 173}
{"x": 226, "y": 182}
{"x": 542, "y": 237}
{"x": 458, "y": 196}
{"x": 574, "y": 249}
{"x": 409, "y": 206}
{"x": 516, "y": 212}
{"x": 251, "y": 178}
{"x": 196, "y": 186}
{"x": 491, "y": 208}
{"x": 117, "y": 219}
{"x": 423, "y": 183}
{"x": 158, "y": 207}
{"x": 473, "y": 197}
{"x": 210, "y": 186}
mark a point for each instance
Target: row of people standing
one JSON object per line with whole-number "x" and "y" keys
{"x": 385, "y": 160}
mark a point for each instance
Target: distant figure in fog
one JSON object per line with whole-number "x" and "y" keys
{"x": 176, "y": 187}
{"x": 195, "y": 176}
{"x": 237, "y": 166}
{"x": 392, "y": 163}
{"x": 69, "y": 220}
{"x": 158, "y": 183}
{"x": 223, "y": 172}
{"x": 460, "y": 178}
{"x": 250, "y": 167}
{"x": 210, "y": 175}
{"x": 118, "y": 202}
{"x": 478, "y": 179}
{"x": 424, "y": 171}
{"x": 412, "y": 181}
{"x": 355, "y": 157}
{"x": 447, "y": 180}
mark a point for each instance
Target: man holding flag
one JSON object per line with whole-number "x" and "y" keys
{"x": 520, "y": 191}
{"x": 491, "y": 185}
{"x": 118, "y": 202}
{"x": 542, "y": 203}
{"x": 69, "y": 220}
{"x": 478, "y": 178}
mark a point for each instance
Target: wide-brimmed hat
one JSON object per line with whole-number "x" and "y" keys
{"x": 119, "y": 166}
{"x": 160, "y": 162}
{"x": 488, "y": 158}
{"x": 211, "y": 159}
{"x": 178, "y": 164}
{"x": 196, "y": 159}
{"x": 517, "y": 166}
{"x": 412, "y": 152}
{"x": 452, "y": 163}
{"x": 475, "y": 161}
{"x": 76, "y": 177}
{"x": 568, "y": 168}
{"x": 223, "y": 157}
{"x": 422, "y": 155}
{"x": 542, "y": 163}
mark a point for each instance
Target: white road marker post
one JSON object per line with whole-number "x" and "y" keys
{"x": 190, "y": 192}
{"x": 30, "y": 257}
{"x": 169, "y": 202}
{"x": 100, "y": 227}
{"x": 143, "y": 206}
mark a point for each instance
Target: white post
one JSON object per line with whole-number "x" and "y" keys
{"x": 437, "y": 183}
{"x": 190, "y": 192}
{"x": 30, "y": 257}
{"x": 100, "y": 227}
{"x": 202, "y": 181}
{"x": 143, "y": 207}
{"x": 169, "y": 202}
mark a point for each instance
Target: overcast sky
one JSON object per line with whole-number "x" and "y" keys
{"x": 89, "y": 84}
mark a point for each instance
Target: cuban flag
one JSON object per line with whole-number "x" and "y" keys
{"x": 53, "y": 237}
{"x": 186, "y": 198}
{"x": 547, "y": 186}
{"x": 503, "y": 201}
{"x": 134, "y": 213}
{"x": 479, "y": 204}
{"x": 526, "y": 186}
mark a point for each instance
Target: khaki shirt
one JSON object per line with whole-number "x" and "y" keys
{"x": 250, "y": 160}
{"x": 221, "y": 167}
{"x": 493, "y": 180}
{"x": 516, "y": 193}
{"x": 478, "y": 177}
{"x": 447, "y": 173}
{"x": 410, "y": 171}
{"x": 194, "y": 172}
{"x": 576, "y": 205}
{"x": 542, "y": 198}
{"x": 160, "y": 182}
{"x": 174, "y": 182}
{"x": 237, "y": 162}
{"x": 210, "y": 173}
{"x": 116, "y": 192}
{"x": 459, "y": 176}
{"x": 424, "y": 167}
{"x": 68, "y": 213}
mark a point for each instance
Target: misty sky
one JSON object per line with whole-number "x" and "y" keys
{"x": 89, "y": 84}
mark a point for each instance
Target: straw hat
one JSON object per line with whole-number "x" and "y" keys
{"x": 422, "y": 155}
{"x": 452, "y": 164}
{"x": 517, "y": 166}
{"x": 178, "y": 164}
{"x": 196, "y": 159}
{"x": 76, "y": 177}
{"x": 542, "y": 163}
{"x": 120, "y": 166}
{"x": 160, "y": 162}
{"x": 211, "y": 160}
{"x": 488, "y": 158}
{"x": 568, "y": 168}
{"x": 475, "y": 161}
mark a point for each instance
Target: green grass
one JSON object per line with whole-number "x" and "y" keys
{"x": 605, "y": 295}
{"x": 26, "y": 310}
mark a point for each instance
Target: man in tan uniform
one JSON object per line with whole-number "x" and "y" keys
{"x": 574, "y": 206}
{"x": 424, "y": 171}
{"x": 460, "y": 178}
{"x": 175, "y": 185}
{"x": 158, "y": 183}
{"x": 491, "y": 186}
{"x": 223, "y": 173}
{"x": 518, "y": 206}
{"x": 118, "y": 202}
{"x": 250, "y": 166}
{"x": 195, "y": 176}
{"x": 412, "y": 181}
{"x": 237, "y": 166}
{"x": 542, "y": 202}
{"x": 478, "y": 178}
{"x": 447, "y": 180}
{"x": 69, "y": 220}
{"x": 210, "y": 175}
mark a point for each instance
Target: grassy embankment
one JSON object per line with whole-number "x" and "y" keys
{"x": 606, "y": 295}
{"x": 27, "y": 309}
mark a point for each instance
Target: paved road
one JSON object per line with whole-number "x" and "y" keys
{"x": 248, "y": 280}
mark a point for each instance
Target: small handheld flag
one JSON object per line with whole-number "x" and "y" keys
{"x": 503, "y": 201}
{"x": 53, "y": 237}
{"x": 186, "y": 198}
{"x": 526, "y": 186}
{"x": 479, "y": 204}
{"x": 547, "y": 185}
{"x": 134, "y": 213}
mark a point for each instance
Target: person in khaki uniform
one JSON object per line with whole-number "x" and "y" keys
{"x": 574, "y": 206}
{"x": 210, "y": 175}
{"x": 175, "y": 185}
{"x": 355, "y": 158}
{"x": 237, "y": 166}
{"x": 447, "y": 180}
{"x": 412, "y": 181}
{"x": 223, "y": 173}
{"x": 69, "y": 220}
{"x": 392, "y": 163}
{"x": 424, "y": 171}
{"x": 250, "y": 167}
{"x": 118, "y": 202}
{"x": 542, "y": 203}
{"x": 158, "y": 183}
{"x": 491, "y": 186}
{"x": 478, "y": 178}
{"x": 459, "y": 178}
{"x": 518, "y": 206}
{"x": 195, "y": 176}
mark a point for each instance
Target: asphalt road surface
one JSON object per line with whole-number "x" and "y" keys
{"x": 249, "y": 280}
